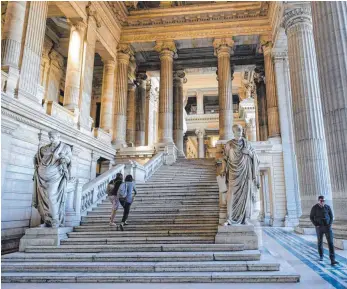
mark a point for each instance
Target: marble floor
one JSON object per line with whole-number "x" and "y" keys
{"x": 299, "y": 251}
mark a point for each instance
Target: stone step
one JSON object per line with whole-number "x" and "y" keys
{"x": 222, "y": 249}
{"x": 163, "y": 198}
{"x": 140, "y": 221}
{"x": 132, "y": 257}
{"x": 141, "y": 233}
{"x": 127, "y": 267}
{"x": 178, "y": 185}
{"x": 137, "y": 214}
{"x": 145, "y": 227}
{"x": 175, "y": 202}
{"x": 149, "y": 209}
{"x": 158, "y": 277}
{"x": 141, "y": 240}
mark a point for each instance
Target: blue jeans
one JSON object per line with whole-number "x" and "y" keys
{"x": 325, "y": 230}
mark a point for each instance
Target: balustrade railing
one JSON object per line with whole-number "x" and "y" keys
{"x": 95, "y": 190}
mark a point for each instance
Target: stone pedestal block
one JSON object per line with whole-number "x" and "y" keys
{"x": 238, "y": 234}
{"x": 43, "y": 236}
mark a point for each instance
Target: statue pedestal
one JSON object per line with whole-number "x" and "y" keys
{"x": 238, "y": 234}
{"x": 43, "y": 236}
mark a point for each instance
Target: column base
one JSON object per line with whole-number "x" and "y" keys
{"x": 291, "y": 221}
{"x": 238, "y": 234}
{"x": 43, "y": 236}
{"x": 305, "y": 226}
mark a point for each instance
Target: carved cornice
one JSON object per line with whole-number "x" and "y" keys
{"x": 214, "y": 30}
{"x": 297, "y": 15}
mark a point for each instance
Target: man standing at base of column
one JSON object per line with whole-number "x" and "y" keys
{"x": 322, "y": 218}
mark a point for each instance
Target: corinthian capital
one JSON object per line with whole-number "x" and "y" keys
{"x": 223, "y": 45}
{"x": 165, "y": 45}
{"x": 77, "y": 23}
{"x": 266, "y": 44}
{"x": 124, "y": 52}
{"x": 297, "y": 15}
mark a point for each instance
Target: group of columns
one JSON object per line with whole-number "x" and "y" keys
{"x": 317, "y": 57}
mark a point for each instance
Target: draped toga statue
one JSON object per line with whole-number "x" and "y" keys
{"x": 52, "y": 172}
{"x": 241, "y": 167}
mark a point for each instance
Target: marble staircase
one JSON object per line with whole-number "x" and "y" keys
{"x": 170, "y": 238}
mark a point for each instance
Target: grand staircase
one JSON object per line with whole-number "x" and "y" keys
{"x": 170, "y": 238}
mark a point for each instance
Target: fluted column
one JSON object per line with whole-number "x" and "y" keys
{"x": 140, "y": 109}
{"x": 310, "y": 144}
{"x": 85, "y": 121}
{"x": 120, "y": 98}
{"x": 107, "y": 95}
{"x": 287, "y": 135}
{"x": 201, "y": 148}
{"x": 131, "y": 114}
{"x": 74, "y": 65}
{"x": 271, "y": 93}
{"x": 261, "y": 103}
{"x": 32, "y": 52}
{"x": 330, "y": 35}
{"x": 179, "y": 78}
{"x": 167, "y": 50}
{"x": 11, "y": 43}
{"x": 223, "y": 49}
{"x": 148, "y": 115}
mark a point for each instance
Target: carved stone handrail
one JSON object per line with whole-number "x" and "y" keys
{"x": 94, "y": 191}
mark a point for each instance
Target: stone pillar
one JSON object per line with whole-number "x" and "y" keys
{"x": 55, "y": 75}
{"x": 93, "y": 164}
{"x": 330, "y": 36}
{"x": 271, "y": 94}
{"x": 107, "y": 95}
{"x": 223, "y": 49}
{"x": 167, "y": 50}
{"x": 185, "y": 142}
{"x": 201, "y": 148}
{"x": 120, "y": 98}
{"x": 261, "y": 103}
{"x": 310, "y": 147}
{"x": 32, "y": 52}
{"x": 12, "y": 33}
{"x": 179, "y": 78}
{"x": 148, "y": 114}
{"x": 74, "y": 65}
{"x": 199, "y": 102}
{"x": 141, "y": 109}
{"x": 251, "y": 130}
{"x": 286, "y": 121}
{"x": 85, "y": 121}
{"x": 131, "y": 114}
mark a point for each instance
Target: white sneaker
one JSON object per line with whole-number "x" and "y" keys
{"x": 113, "y": 224}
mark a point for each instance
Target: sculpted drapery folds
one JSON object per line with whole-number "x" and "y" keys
{"x": 52, "y": 172}
{"x": 242, "y": 173}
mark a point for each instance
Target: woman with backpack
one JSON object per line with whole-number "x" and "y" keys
{"x": 127, "y": 198}
{"x": 112, "y": 190}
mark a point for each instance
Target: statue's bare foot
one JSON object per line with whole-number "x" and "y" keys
{"x": 227, "y": 223}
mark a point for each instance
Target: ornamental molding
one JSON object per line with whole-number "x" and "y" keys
{"x": 19, "y": 112}
{"x": 220, "y": 30}
{"x": 202, "y": 117}
{"x": 297, "y": 15}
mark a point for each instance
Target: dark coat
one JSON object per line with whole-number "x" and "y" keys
{"x": 321, "y": 216}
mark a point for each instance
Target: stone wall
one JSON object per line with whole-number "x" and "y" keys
{"x": 23, "y": 129}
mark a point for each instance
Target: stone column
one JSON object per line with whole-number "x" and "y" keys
{"x": 286, "y": 121}
{"x": 330, "y": 36}
{"x": 261, "y": 103}
{"x": 201, "y": 148}
{"x": 310, "y": 147}
{"x": 140, "y": 109}
{"x": 107, "y": 96}
{"x": 74, "y": 65}
{"x": 167, "y": 50}
{"x": 223, "y": 49}
{"x": 179, "y": 78}
{"x": 148, "y": 114}
{"x": 185, "y": 142}
{"x": 199, "y": 102}
{"x": 55, "y": 75}
{"x": 32, "y": 52}
{"x": 93, "y": 164}
{"x": 131, "y": 114}
{"x": 11, "y": 43}
{"x": 120, "y": 98}
{"x": 85, "y": 121}
{"x": 271, "y": 94}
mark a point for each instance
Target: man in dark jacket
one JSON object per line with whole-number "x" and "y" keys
{"x": 322, "y": 218}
